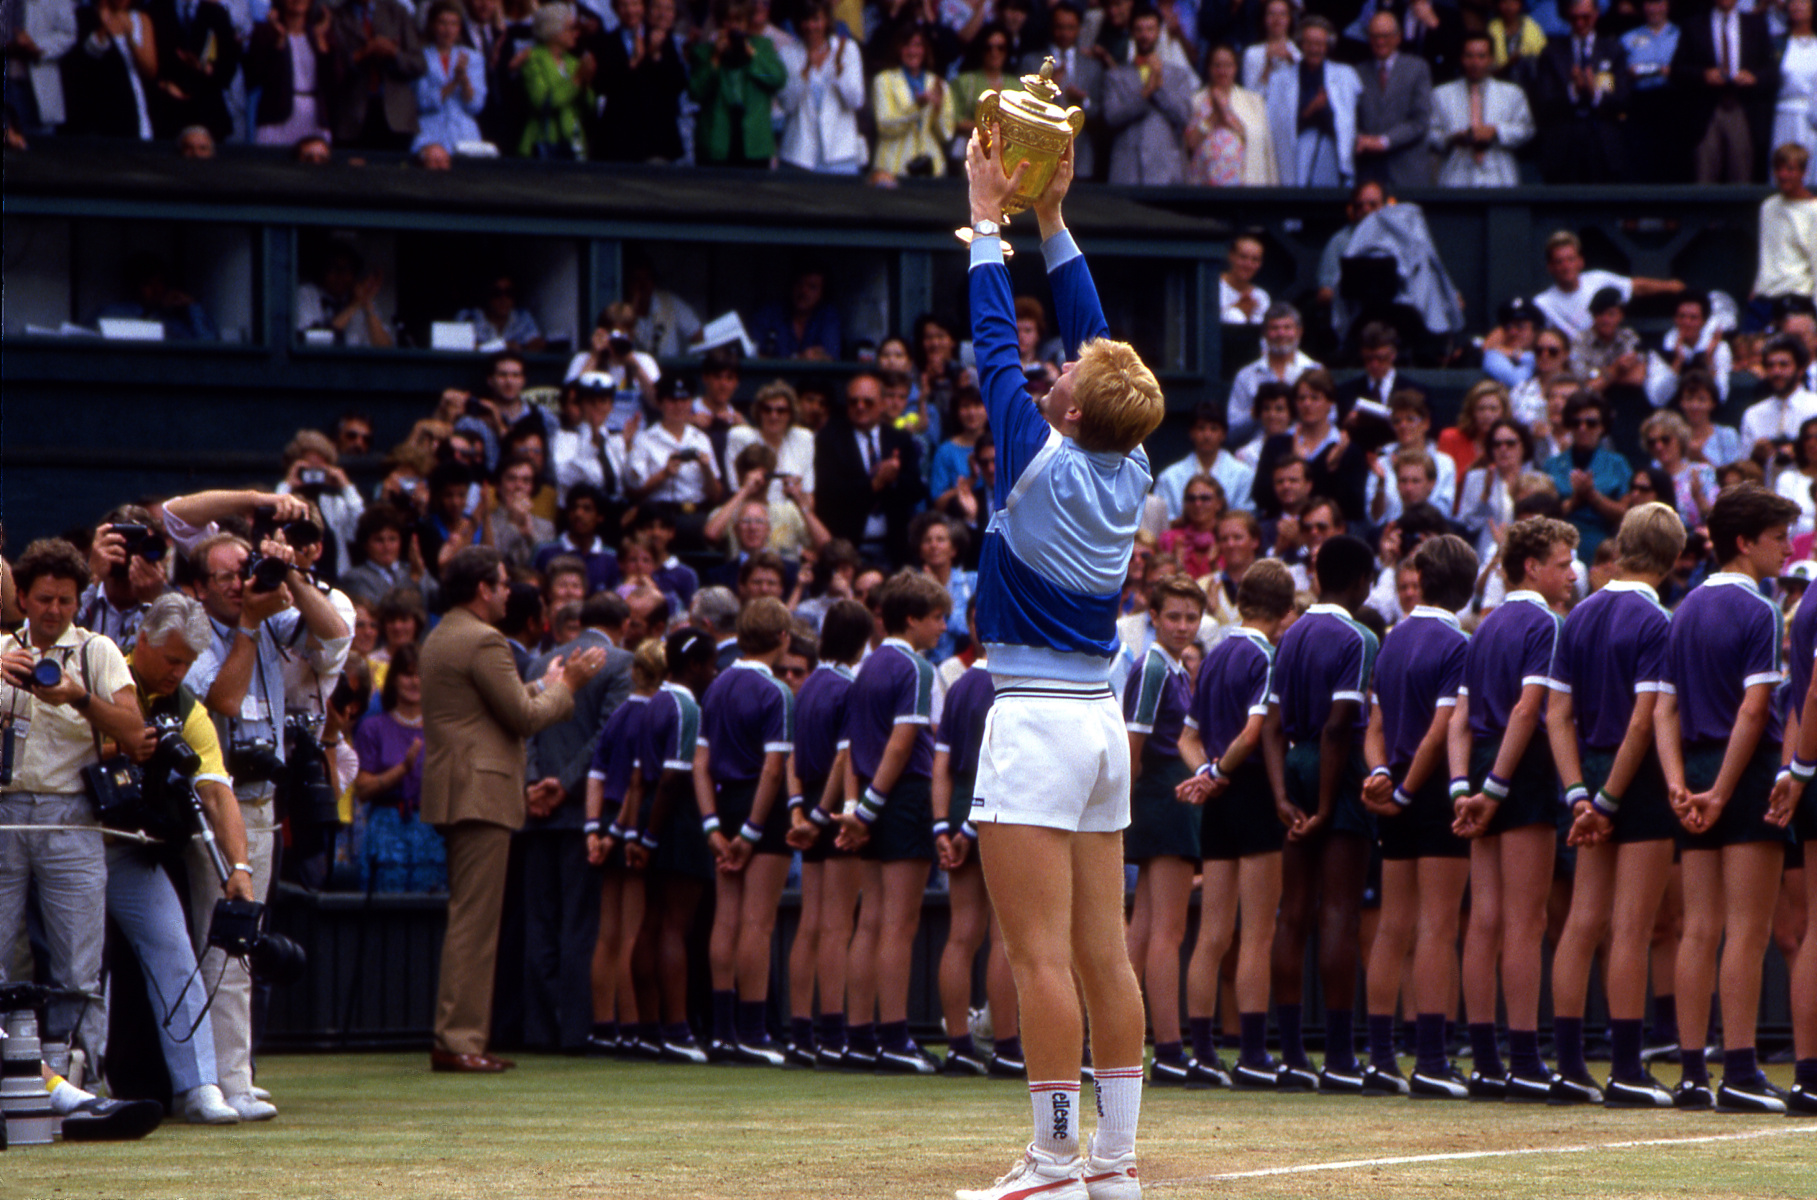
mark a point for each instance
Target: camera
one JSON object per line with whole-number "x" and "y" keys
{"x": 306, "y": 794}
{"x": 475, "y": 407}
{"x": 46, "y": 673}
{"x": 264, "y": 573}
{"x": 619, "y": 344}
{"x": 141, "y": 541}
{"x": 127, "y": 795}
{"x": 254, "y": 761}
{"x": 311, "y": 481}
{"x": 688, "y": 455}
{"x": 237, "y": 928}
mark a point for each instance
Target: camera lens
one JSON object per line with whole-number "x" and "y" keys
{"x": 47, "y": 673}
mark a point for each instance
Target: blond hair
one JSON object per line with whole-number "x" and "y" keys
{"x": 648, "y": 665}
{"x": 1650, "y": 539}
{"x": 1266, "y": 592}
{"x": 1118, "y": 397}
{"x": 1668, "y": 424}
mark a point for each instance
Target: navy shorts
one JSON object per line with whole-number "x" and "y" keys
{"x": 1347, "y": 812}
{"x": 681, "y": 847}
{"x": 1644, "y": 815}
{"x": 1159, "y": 825}
{"x": 734, "y": 807}
{"x": 1243, "y": 820}
{"x": 1743, "y": 818}
{"x": 1533, "y": 794}
{"x": 823, "y": 848}
{"x": 904, "y": 830}
{"x": 1423, "y": 828}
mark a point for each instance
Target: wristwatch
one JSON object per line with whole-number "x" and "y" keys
{"x": 80, "y": 703}
{"x": 987, "y": 228}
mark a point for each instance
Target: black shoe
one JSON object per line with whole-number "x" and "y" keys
{"x": 1295, "y": 1079}
{"x": 960, "y": 1063}
{"x": 1692, "y": 1095}
{"x": 720, "y": 1052}
{"x": 1245, "y": 1077}
{"x": 858, "y": 1060}
{"x": 1380, "y": 1081}
{"x": 1529, "y": 1089}
{"x": 1645, "y": 1092}
{"x": 799, "y": 1055}
{"x": 1568, "y": 1090}
{"x": 757, "y": 1054}
{"x": 1001, "y": 1067}
{"x": 1169, "y": 1073}
{"x": 1801, "y": 1102}
{"x": 1448, "y": 1084}
{"x": 1203, "y": 1073}
{"x": 1487, "y": 1087}
{"x": 98, "y": 1120}
{"x": 1346, "y": 1081}
{"x": 909, "y": 1061}
{"x": 1754, "y": 1095}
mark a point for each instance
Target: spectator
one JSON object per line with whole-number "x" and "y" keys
{"x": 1227, "y": 135}
{"x": 1465, "y": 443}
{"x": 1281, "y": 361}
{"x": 1801, "y": 323}
{"x": 1693, "y": 343}
{"x": 1335, "y": 466}
{"x": 1727, "y": 73}
{"x": 807, "y": 328}
{"x": 1015, "y": 16}
{"x": 950, "y": 472}
{"x": 1591, "y": 477}
{"x": 1517, "y": 41}
{"x": 1668, "y": 442}
{"x": 343, "y": 300}
{"x": 289, "y": 64}
{"x": 713, "y": 410}
{"x": 377, "y": 552}
{"x": 734, "y": 77}
{"x": 989, "y": 68}
{"x": 1275, "y": 51}
{"x": 1312, "y": 114}
{"x": 1653, "y": 136}
{"x": 1581, "y": 95}
{"x": 774, "y": 410}
{"x": 823, "y": 96}
{"x": 1797, "y": 481}
{"x": 876, "y": 471}
{"x": 751, "y": 523}
{"x": 198, "y": 56}
{"x": 511, "y": 524}
{"x": 312, "y": 150}
{"x": 642, "y": 77}
{"x": 109, "y": 79}
{"x": 1478, "y": 123}
{"x": 1436, "y": 34}
{"x": 1792, "y": 116}
{"x": 401, "y": 853}
{"x": 1378, "y": 346}
{"x": 914, "y": 112}
{"x": 1567, "y": 302}
{"x": 36, "y": 34}
{"x": 1240, "y": 301}
{"x": 1080, "y": 76}
{"x": 1393, "y": 110}
{"x": 1486, "y": 497}
{"x": 557, "y": 88}
{"x": 1147, "y": 103}
{"x": 656, "y": 523}
{"x": 583, "y": 518}
{"x": 380, "y": 58}
{"x": 1037, "y": 354}
{"x": 1788, "y": 236}
{"x": 451, "y": 93}
{"x": 1209, "y": 459}
{"x": 591, "y": 453}
{"x": 1695, "y": 401}
{"x": 1436, "y": 478}
{"x": 937, "y": 372}
{"x": 941, "y": 42}
{"x": 672, "y": 461}
{"x": 1192, "y": 537}
{"x": 1366, "y": 198}
{"x": 513, "y": 37}
{"x": 154, "y": 299}
{"x": 939, "y": 544}
{"x": 312, "y": 470}
{"x": 1609, "y": 353}
{"x": 1551, "y": 359}
{"x": 1508, "y": 356}
{"x": 499, "y": 319}
{"x": 613, "y": 356}
{"x": 666, "y": 325}
{"x": 1767, "y": 428}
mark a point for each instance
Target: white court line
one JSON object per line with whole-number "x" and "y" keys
{"x": 1349, "y": 1164}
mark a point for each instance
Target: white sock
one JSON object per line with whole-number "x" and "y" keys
{"x": 1119, "y": 1109}
{"x": 1056, "y": 1117}
{"x": 64, "y": 1095}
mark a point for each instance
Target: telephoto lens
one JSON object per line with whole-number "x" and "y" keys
{"x": 24, "y": 1104}
{"x": 47, "y": 673}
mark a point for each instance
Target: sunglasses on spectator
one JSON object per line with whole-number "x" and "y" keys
{"x": 1585, "y": 423}
{"x": 1549, "y": 350}
{"x": 1660, "y": 441}
{"x": 773, "y": 410}
{"x": 1506, "y": 443}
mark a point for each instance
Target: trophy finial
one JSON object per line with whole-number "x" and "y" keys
{"x": 1042, "y": 85}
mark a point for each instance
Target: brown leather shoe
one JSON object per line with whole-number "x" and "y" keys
{"x": 465, "y": 1064}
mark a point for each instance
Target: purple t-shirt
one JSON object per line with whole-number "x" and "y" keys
{"x": 668, "y": 733}
{"x": 1325, "y": 656}
{"x": 819, "y": 715}
{"x": 1613, "y": 647}
{"x": 895, "y": 686}
{"x": 1511, "y": 649}
{"x": 616, "y": 754}
{"x": 1804, "y": 649}
{"x": 381, "y": 742}
{"x": 1725, "y": 639}
{"x": 1418, "y": 673}
{"x": 961, "y": 733}
{"x": 1234, "y": 684}
{"x": 747, "y": 713}
{"x": 1155, "y": 700}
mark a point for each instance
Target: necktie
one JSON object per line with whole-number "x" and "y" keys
{"x": 1727, "y": 60}
{"x": 1381, "y": 73}
{"x": 1583, "y": 53}
{"x": 608, "y": 477}
{"x": 873, "y": 449}
{"x": 1476, "y": 105}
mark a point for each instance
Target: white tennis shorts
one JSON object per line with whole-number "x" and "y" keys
{"x": 1054, "y": 754}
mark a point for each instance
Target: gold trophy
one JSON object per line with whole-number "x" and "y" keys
{"x": 1035, "y": 130}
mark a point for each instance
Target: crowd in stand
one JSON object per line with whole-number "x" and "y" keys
{"x": 1408, "y": 92}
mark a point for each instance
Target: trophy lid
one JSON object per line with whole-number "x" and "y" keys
{"x": 1040, "y": 90}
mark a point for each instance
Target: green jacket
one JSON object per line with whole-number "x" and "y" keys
{"x": 557, "y": 102}
{"x": 741, "y": 93}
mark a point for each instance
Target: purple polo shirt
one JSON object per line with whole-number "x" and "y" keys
{"x": 1804, "y": 649}
{"x": 1234, "y": 685}
{"x": 819, "y": 713}
{"x": 1419, "y": 672}
{"x": 1512, "y": 648}
{"x": 961, "y": 733}
{"x": 1155, "y": 700}
{"x": 1725, "y": 639}
{"x": 894, "y": 687}
{"x": 382, "y": 741}
{"x": 669, "y": 732}
{"x": 1325, "y": 656}
{"x": 746, "y": 714}
{"x": 617, "y": 753}
{"x": 1613, "y": 647}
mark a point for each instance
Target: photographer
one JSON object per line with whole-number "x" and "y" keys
{"x": 126, "y": 565}
{"x": 613, "y": 353}
{"x": 63, "y": 690}
{"x": 592, "y": 453}
{"x": 672, "y": 461}
{"x": 312, "y": 471}
{"x": 140, "y": 896}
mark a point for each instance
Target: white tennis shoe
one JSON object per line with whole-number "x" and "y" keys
{"x": 1038, "y": 1176}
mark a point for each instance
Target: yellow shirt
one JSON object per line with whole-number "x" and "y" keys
{"x": 53, "y": 742}
{"x": 199, "y": 732}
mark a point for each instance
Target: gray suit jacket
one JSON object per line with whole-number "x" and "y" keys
{"x": 565, "y": 750}
{"x": 1087, "y": 75}
{"x": 1148, "y": 130}
{"x": 1403, "y": 114}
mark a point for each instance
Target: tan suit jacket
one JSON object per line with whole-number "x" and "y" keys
{"x": 476, "y": 715}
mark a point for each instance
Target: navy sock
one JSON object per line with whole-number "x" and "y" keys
{"x": 1254, "y": 1038}
{"x": 1410, "y": 1037}
{"x": 725, "y": 1015}
{"x": 1381, "y": 1042}
{"x": 1523, "y": 1053}
{"x": 606, "y": 1031}
{"x": 1690, "y": 1061}
{"x": 678, "y": 1032}
{"x": 831, "y": 1034}
{"x": 862, "y": 1038}
{"x": 1487, "y": 1054}
{"x": 1340, "y": 1039}
{"x": 893, "y": 1036}
{"x": 1804, "y": 1074}
{"x": 1170, "y": 1052}
{"x": 1665, "y": 1020}
{"x": 750, "y": 1023}
{"x": 962, "y": 1045}
{"x": 1429, "y": 1039}
{"x": 1624, "y": 1053}
{"x": 649, "y": 1031}
{"x": 1740, "y": 1066}
{"x": 1293, "y": 1042}
{"x": 1009, "y": 1047}
{"x": 801, "y": 1032}
{"x": 1568, "y": 1033}
{"x": 1204, "y": 1038}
